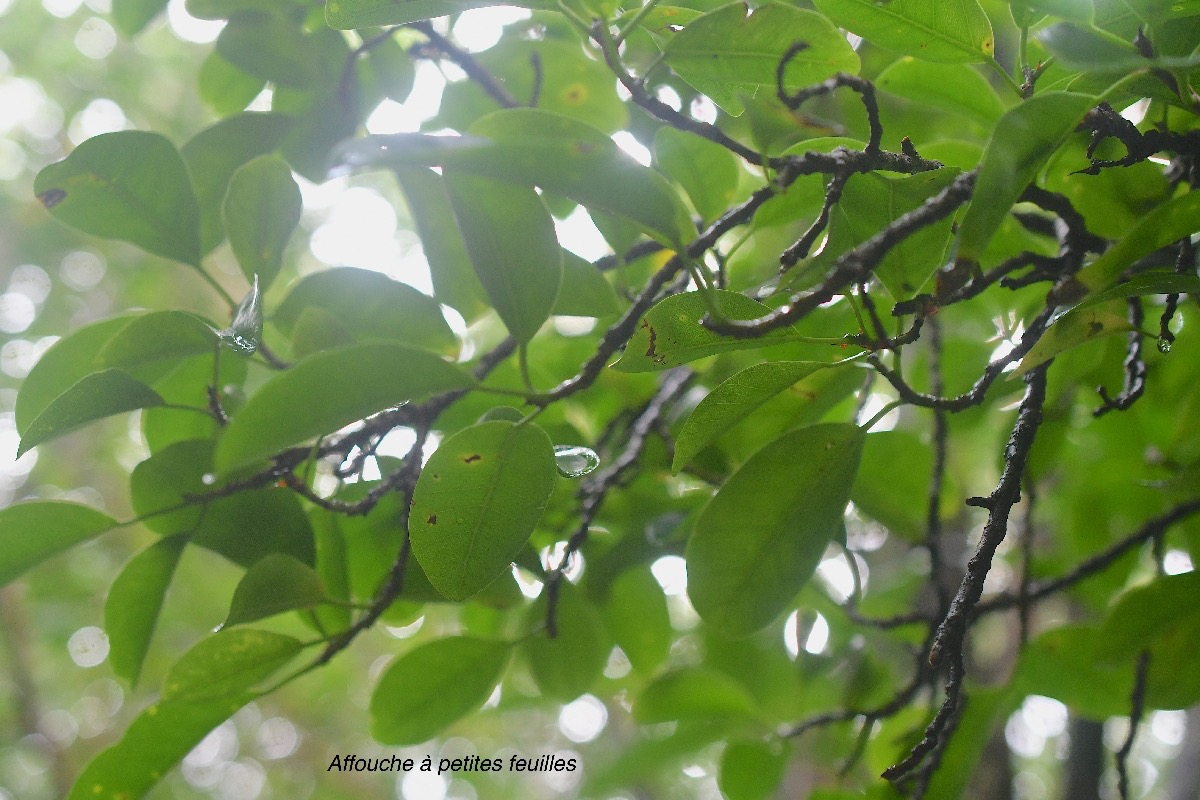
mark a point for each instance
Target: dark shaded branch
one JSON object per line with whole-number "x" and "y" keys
{"x": 853, "y": 266}
{"x": 466, "y": 62}
{"x": 1134, "y": 366}
{"x": 1137, "y": 700}
{"x": 1153, "y": 529}
{"x": 595, "y": 487}
{"x": 864, "y": 88}
{"x": 947, "y": 646}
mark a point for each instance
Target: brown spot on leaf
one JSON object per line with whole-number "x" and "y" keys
{"x": 471, "y": 459}
{"x": 653, "y": 340}
{"x": 432, "y": 519}
{"x": 52, "y": 197}
{"x": 1095, "y": 327}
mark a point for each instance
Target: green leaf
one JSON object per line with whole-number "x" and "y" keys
{"x": 96, "y": 396}
{"x": 636, "y": 615}
{"x": 67, "y": 361}
{"x": 1166, "y": 224}
{"x": 761, "y": 536}
{"x": 162, "y": 489}
{"x": 261, "y": 209}
{"x": 585, "y": 292}
{"x": 752, "y": 770}
{"x": 477, "y": 501}
{"x": 1094, "y": 50}
{"x": 128, "y": 185}
{"x": 270, "y": 47}
{"x": 1077, "y": 10}
{"x": 131, "y": 16}
{"x": 725, "y": 53}
{"x": 512, "y": 244}
{"x": 707, "y": 172}
{"x": 957, "y": 31}
{"x": 226, "y": 90}
{"x": 896, "y": 468}
{"x": 1063, "y": 663}
{"x": 1076, "y": 327}
{"x": 692, "y": 693}
{"x": 227, "y": 664}
{"x": 275, "y": 584}
{"x": 368, "y": 305}
{"x": 955, "y": 89}
{"x": 134, "y": 602}
{"x": 1023, "y": 140}
{"x": 566, "y": 666}
{"x": 154, "y": 743}
{"x": 215, "y": 154}
{"x": 735, "y": 399}
{"x": 311, "y": 400}
{"x": 671, "y": 334}
{"x": 348, "y": 14}
{"x": 454, "y": 280}
{"x": 1146, "y": 283}
{"x": 434, "y": 685}
{"x": 871, "y": 202}
{"x": 34, "y": 531}
{"x": 1145, "y": 613}
{"x": 532, "y": 147}
{"x": 156, "y": 337}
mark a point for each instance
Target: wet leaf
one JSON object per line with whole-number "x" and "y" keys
{"x": 33, "y": 531}
{"x": 434, "y": 685}
{"x": 955, "y": 32}
{"x": 733, "y": 400}
{"x": 1074, "y": 328}
{"x": 561, "y": 155}
{"x": 477, "y": 501}
{"x": 761, "y": 536}
{"x": 134, "y": 602}
{"x": 227, "y": 664}
{"x": 275, "y": 584}
{"x": 671, "y": 334}
{"x": 96, "y": 396}
{"x": 510, "y": 238}
{"x": 725, "y": 53}
{"x": 153, "y": 744}
{"x": 310, "y": 400}
{"x": 261, "y": 209}
{"x": 127, "y": 185}
{"x": 1166, "y": 224}
{"x": 1023, "y": 140}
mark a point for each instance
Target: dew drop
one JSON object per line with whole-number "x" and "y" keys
{"x": 208, "y": 479}
{"x": 574, "y": 461}
{"x": 1164, "y": 345}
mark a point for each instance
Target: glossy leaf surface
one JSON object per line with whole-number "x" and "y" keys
{"x": 759, "y": 539}
{"x": 34, "y": 531}
{"x": 477, "y": 502}
{"x": 297, "y": 405}
{"x": 128, "y": 185}
{"x": 96, "y": 396}
{"x": 521, "y": 275}
{"x": 434, "y": 685}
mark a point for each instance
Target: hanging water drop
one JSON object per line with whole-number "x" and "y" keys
{"x": 1164, "y": 345}
{"x": 208, "y": 479}
{"x": 574, "y": 461}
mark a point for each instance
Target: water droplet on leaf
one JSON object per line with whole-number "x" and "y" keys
{"x": 574, "y": 461}
{"x": 208, "y": 479}
{"x": 1164, "y": 345}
